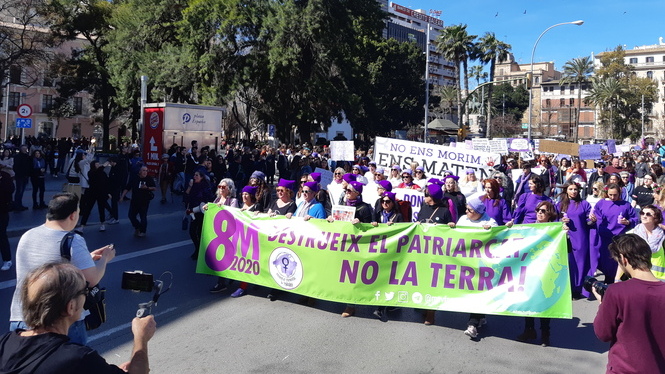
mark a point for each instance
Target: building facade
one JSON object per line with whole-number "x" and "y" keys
{"x": 648, "y": 61}
{"x": 409, "y": 25}
{"x": 516, "y": 74}
{"x": 559, "y": 113}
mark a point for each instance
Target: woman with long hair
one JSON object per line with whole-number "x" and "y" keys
{"x": 198, "y": 194}
{"x": 37, "y": 177}
{"x": 226, "y": 192}
{"x": 525, "y": 209}
{"x": 496, "y": 207}
{"x": 545, "y": 212}
{"x": 612, "y": 217}
{"x": 575, "y": 215}
{"x": 7, "y": 162}
{"x": 395, "y": 177}
{"x": 651, "y": 230}
{"x": 452, "y": 191}
{"x": 263, "y": 192}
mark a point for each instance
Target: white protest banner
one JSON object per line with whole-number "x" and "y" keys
{"x": 519, "y": 145}
{"x": 342, "y": 150}
{"x": 468, "y": 144}
{"x": 499, "y": 146}
{"x": 434, "y": 158}
{"x": 481, "y": 144}
{"x": 326, "y": 177}
{"x": 414, "y": 197}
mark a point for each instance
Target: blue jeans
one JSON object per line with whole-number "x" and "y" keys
{"x": 76, "y": 333}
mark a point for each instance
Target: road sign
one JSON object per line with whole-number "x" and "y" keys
{"x": 24, "y": 111}
{"x": 23, "y": 123}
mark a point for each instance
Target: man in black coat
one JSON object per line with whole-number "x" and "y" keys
{"x": 22, "y": 168}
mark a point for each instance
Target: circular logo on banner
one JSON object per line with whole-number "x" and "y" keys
{"x": 286, "y": 268}
{"x": 186, "y": 118}
{"x": 154, "y": 120}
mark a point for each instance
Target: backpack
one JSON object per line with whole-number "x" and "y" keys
{"x": 95, "y": 300}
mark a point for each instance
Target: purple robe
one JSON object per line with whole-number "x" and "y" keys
{"x": 607, "y": 227}
{"x": 500, "y": 212}
{"x": 525, "y": 212}
{"x": 578, "y": 233}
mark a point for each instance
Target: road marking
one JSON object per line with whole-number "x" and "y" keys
{"x": 12, "y": 282}
{"x": 124, "y": 326}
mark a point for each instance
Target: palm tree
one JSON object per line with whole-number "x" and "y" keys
{"x": 577, "y": 71}
{"x": 491, "y": 50}
{"x": 456, "y": 45}
{"x": 476, "y": 72}
{"x": 607, "y": 94}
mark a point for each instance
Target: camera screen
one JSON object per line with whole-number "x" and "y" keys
{"x": 137, "y": 281}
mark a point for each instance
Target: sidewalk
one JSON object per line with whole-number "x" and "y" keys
{"x": 20, "y": 222}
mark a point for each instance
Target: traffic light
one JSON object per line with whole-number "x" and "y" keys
{"x": 529, "y": 80}
{"x": 461, "y": 134}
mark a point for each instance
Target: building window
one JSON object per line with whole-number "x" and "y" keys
{"x": 47, "y": 103}
{"x": 633, "y": 60}
{"x": 78, "y": 105}
{"x": 563, "y": 90}
{"x": 572, "y": 102}
{"x": 76, "y": 130}
{"x": 650, "y": 59}
{"x": 562, "y": 102}
{"x": 537, "y": 80}
{"x": 548, "y": 103}
{"x": 650, "y": 74}
{"x": 15, "y": 75}
{"x": 14, "y": 100}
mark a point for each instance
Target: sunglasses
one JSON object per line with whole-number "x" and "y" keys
{"x": 281, "y": 190}
{"x": 419, "y": 171}
{"x": 386, "y": 201}
{"x": 541, "y": 211}
{"x": 497, "y": 177}
{"x": 406, "y": 176}
{"x": 347, "y": 190}
{"x": 222, "y": 187}
{"x": 84, "y": 291}
{"x": 306, "y": 191}
{"x": 338, "y": 173}
{"x": 648, "y": 214}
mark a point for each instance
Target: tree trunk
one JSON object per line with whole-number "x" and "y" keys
{"x": 488, "y": 115}
{"x": 577, "y": 117}
{"x": 459, "y": 96}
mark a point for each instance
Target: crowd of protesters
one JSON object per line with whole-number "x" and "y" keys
{"x": 594, "y": 203}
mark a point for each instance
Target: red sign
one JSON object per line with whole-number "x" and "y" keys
{"x": 24, "y": 111}
{"x": 417, "y": 15}
{"x": 153, "y": 126}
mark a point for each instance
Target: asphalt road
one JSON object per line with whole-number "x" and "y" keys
{"x": 199, "y": 332}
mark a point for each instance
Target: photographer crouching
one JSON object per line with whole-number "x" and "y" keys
{"x": 630, "y": 315}
{"x": 52, "y": 299}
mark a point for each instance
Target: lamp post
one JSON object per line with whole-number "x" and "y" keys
{"x": 427, "y": 42}
{"x": 533, "y": 53}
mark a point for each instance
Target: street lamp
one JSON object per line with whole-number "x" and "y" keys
{"x": 533, "y": 52}
{"x": 426, "y": 83}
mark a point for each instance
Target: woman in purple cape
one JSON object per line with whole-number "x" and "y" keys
{"x": 612, "y": 217}
{"x": 495, "y": 206}
{"x": 525, "y": 211}
{"x": 575, "y": 215}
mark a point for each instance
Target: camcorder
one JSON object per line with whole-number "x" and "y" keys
{"x": 593, "y": 283}
{"x": 138, "y": 281}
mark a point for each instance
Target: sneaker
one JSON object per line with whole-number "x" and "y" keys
{"x": 218, "y": 288}
{"x": 380, "y": 315}
{"x": 6, "y": 265}
{"x": 141, "y": 234}
{"x": 102, "y": 228}
{"x": 237, "y": 293}
{"x": 471, "y": 331}
{"x": 112, "y": 221}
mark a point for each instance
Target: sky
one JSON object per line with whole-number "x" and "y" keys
{"x": 607, "y": 24}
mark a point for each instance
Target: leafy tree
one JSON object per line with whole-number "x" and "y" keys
{"x": 476, "y": 72}
{"x": 387, "y": 93}
{"x": 22, "y": 42}
{"x": 456, "y": 45}
{"x": 491, "y": 50}
{"x": 88, "y": 70}
{"x": 577, "y": 71}
{"x": 516, "y": 101}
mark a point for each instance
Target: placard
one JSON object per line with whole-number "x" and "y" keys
{"x": 481, "y": 144}
{"x": 611, "y": 146}
{"x": 590, "y": 151}
{"x": 499, "y": 146}
{"x": 342, "y": 150}
{"x": 553, "y": 146}
{"x": 326, "y": 177}
{"x": 518, "y": 145}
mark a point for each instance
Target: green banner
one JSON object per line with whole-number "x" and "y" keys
{"x": 521, "y": 271}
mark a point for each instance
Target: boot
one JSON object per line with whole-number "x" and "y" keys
{"x": 528, "y": 334}
{"x": 545, "y": 339}
{"x": 429, "y": 317}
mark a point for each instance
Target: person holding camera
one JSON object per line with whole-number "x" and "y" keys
{"x": 52, "y": 298}
{"x": 41, "y": 245}
{"x": 630, "y": 313}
